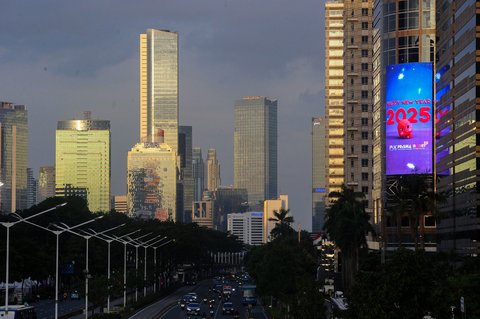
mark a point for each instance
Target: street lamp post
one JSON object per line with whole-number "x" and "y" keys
{"x": 155, "y": 261}
{"x": 57, "y": 234}
{"x": 8, "y": 225}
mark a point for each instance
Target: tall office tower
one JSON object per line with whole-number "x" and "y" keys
{"x": 255, "y": 148}
{"x": 46, "y": 183}
{"x": 318, "y": 173}
{"x": 358, "y": 101}
{"x": 186, "y": 172}
{"x": 269, "y": 207}
{"x": 213, "y": 170}
{"x": 32, "y": 186}
{"x": 228, "y": 200}
{"x": 13, "y": 157}
{"x": 152, "y": 180}
{"x": 159, "y": 85}
{"x": 404, "y": 34}
{"x": 198, "y": 167}
{"x": 248, "y": 227}
{"x": 334, "y": 107}
{"x": 82, "y": 161}
{"x": 457, "y": 96}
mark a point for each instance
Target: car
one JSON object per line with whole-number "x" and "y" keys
{"x": 193, "y": 309}
{"x": 228, "y": 308}
{"x": 74, "y": 295}
{"x": 193, "y": 295}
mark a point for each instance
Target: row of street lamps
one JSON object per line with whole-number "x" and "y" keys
{"x": 126, "y": 239}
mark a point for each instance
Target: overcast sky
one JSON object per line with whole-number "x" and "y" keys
{"x": 60, "y": 58}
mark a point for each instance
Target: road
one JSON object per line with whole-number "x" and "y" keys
{"x": 46, "y": 308}
{"x": 203, "y": 292}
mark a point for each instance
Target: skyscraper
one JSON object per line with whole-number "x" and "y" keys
{"x": 46, "y": 182}
{"x": 159, "y": 85}
{"x": 186, "y": 171}
{"x": 334, "y": 107}
{"x": 213, "y": 170}
{"x": 457, "y": 138}
{"x": 198, "y": 167}
{"x": 318, "y": 173}
{"x": 32, "y": 186}
{"x": 269, "y": 207}
{"x": 255, "y": 148}
{"x": 82, "y": 161}
{"x": 13, "y": 157}
{"x": 152, "y": 181}
{"x": 358, "y": 86}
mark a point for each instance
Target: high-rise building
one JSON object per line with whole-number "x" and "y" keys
{"x": 248, "y": 227}
{"x": 403, "y": 33}
{"x": 255, "y": 148}
{"x": 119, "y": 203}
{"x": 228, "y": 200}
{"x": 271, "y": 206}
{"x": 334, "y": 106}
{"x": 13, "y": 157}
{"x": 318, "y": 173}
{"x": 82, "y": 161}
{"x": 457, "y": 96}
{"x": 198, "y": 167}
{"x": 186, "y": 172}
{"x": 202, "y": 213}
{"x": 46, "y": 183}
{"x": 358, "y": 100}
{"x": 159, "y": 85}
{"x": 213, "y": 170}
{"x": 32, "y": 186}
{"x": 152, "y": 181}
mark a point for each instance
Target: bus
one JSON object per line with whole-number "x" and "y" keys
{"x": 18, "y": 312}
{"x": 249, "y": 296}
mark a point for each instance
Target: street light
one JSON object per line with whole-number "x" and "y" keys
{"x": 87, "y": 238}
{"x": 155, "y": 261}
{"x": 8, "y": 225}
{"x": 57, "y": 234}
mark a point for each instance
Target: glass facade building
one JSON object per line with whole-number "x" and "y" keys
{"x": 457, "y": 134}
{"x": 213, "y": 170}
{"x": 159, "y": 85}
{"x": 334, "y": 107}
{"x": 318, "y": 174}
{"x": 13, "y": 157}
{"x": 152, "y": 181}
{"x": 255, "y": 148}
{"x": 46, "y": 182}
{"x": 198, "y": 167}
{"x": 186, "y": 171}
{"x": 82, "y": 161}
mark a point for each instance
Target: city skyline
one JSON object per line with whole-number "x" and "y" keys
{"x": 101, "y": 63}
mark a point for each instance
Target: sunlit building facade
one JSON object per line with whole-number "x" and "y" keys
{"x": 46, "y": 182}
{"x": 159, "y": 85}
{"x": 82, "y": 161}
{"x": 269, "y": 207}
{"x": 255, "y": 148}
{"x": 334, "y": 106}
{"x": 13, "y": 157}
{"x": 213, "y": 170}
{"x": 318, "y": 173}
{"x": 152, "y": 181}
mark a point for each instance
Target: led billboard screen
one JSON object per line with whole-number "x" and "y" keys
{"x": 409, "y": 120}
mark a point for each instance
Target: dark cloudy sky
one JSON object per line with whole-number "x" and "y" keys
{"x": 60, "y": 58}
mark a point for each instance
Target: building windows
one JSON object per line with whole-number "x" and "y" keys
{"x": 364, "y": 135}
{"x": 364, "y": 121}
{"x": 364, "y": 53}
{"x": 364, "y": 107}
{"x": 364, "y": 162}
{"x": 364, "y": 80}
{"x": 365, "y": 190}
{"x": 364, "y": 25}
{"x": 364, "y": 176}
{"x": 364, "y": 39}
{"x": 364, "y": 149}
{"x": 364, "y": 94}
{"x": 352, "y": 164}
{"x": 365, "y": 12}
{"x": 364, "y": 66}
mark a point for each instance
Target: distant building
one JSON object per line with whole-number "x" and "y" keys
{"x": 248, "y": 227}
{"x": 228, "y": 200}
{"x": 13, "y": 157}
{"x": 255, "y": 148}
{"x": 270, "y": 206}
{"x": 152, "y": 180}
{"x": 213, "y": 170}
{"x": 119, "y": 203}
{"x": 83, "y": 160}
{"x": 198, "y": 167}
{"x": 46, "y": 183}
{"x": 318, "y": 174}
{"x": 202, "y": 213}
{"x": 186, "y": 172}
{"x": 32, "y": 186}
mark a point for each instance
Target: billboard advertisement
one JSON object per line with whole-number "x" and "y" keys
{"x": 409, "y": 118}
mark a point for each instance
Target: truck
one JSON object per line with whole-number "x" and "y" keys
{"x": 249, "y": 296}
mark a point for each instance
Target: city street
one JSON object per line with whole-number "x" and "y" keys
{"x": 46, "y": 308}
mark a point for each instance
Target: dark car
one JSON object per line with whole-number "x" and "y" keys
{"x": 193, "y": 309}
{"x": 228, "y": 309}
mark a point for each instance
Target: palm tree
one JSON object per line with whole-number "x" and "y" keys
{"x": 414, "y": 197}
{"x": 346, "y": 223}
{"x": 282, "y": 221}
